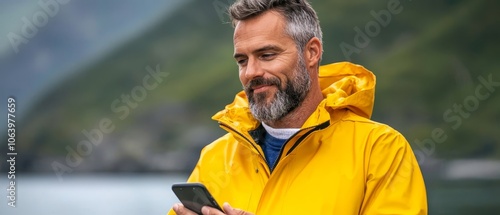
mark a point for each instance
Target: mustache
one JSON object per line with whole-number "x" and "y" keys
{"x": 262, "y": 81}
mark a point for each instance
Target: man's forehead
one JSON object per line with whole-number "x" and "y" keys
{"x": 257, "y": 32}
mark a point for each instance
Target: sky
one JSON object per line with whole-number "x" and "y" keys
{"x": 46, "y": 41}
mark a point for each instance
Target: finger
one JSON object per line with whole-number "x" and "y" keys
{"x": 181, "y": 210}
{"x": 234, "y": 211}
{"x": 205, "y": 210}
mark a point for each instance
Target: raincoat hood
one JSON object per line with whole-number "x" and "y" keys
{"x": 344, "y": 86}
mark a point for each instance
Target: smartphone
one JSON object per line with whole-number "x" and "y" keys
{"x": 194, "y": 196}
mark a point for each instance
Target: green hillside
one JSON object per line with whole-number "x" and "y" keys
{"x": 427, "y": 58}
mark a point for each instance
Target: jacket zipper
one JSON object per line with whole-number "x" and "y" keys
{"x": 318, "y": 127}
{"x": 243, "y": 136}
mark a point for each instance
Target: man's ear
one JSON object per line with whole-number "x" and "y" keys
{"x": 312, "y": 53}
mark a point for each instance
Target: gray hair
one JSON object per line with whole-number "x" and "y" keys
{"x": 302, "y": 21}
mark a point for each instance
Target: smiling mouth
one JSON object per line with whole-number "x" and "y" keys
{"x": 261, "y": 88}
{"x": 261, "y": 85}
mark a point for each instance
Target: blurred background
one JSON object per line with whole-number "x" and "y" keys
{"x": 114, "y": 98}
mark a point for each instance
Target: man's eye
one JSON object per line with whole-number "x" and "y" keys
{"x": 267, "y": 56}
{"x": 241, "y": 62}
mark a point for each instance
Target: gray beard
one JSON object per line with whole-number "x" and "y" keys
{"x": 285, "y": 100}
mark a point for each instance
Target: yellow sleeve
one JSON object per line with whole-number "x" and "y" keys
{"x": 394, "y": 183}
{"x": 171, "y": 212}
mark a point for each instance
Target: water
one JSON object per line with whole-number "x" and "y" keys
{"x": 93, "y": 194}
{"x": 463, "y": 197}
{"x": 140, "y": 194}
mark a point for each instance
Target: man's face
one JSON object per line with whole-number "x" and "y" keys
{"x": 271, "y": 69}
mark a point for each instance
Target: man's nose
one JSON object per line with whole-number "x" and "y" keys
{"x": 253, "y": 69}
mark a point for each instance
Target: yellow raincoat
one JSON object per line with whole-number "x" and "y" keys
{"x": 340, "y": 162}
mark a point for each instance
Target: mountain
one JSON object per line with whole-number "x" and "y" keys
{"x": 429, "y": 60}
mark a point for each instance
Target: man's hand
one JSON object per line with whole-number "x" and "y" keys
{"x": 181, "y": 210}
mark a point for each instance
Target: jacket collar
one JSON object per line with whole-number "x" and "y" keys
{"x": 344, "y": 86}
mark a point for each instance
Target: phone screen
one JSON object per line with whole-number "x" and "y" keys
{"x": 194, "y": 196}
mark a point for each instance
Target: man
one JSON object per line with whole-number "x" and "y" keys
{"x": 299, "y": 138}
